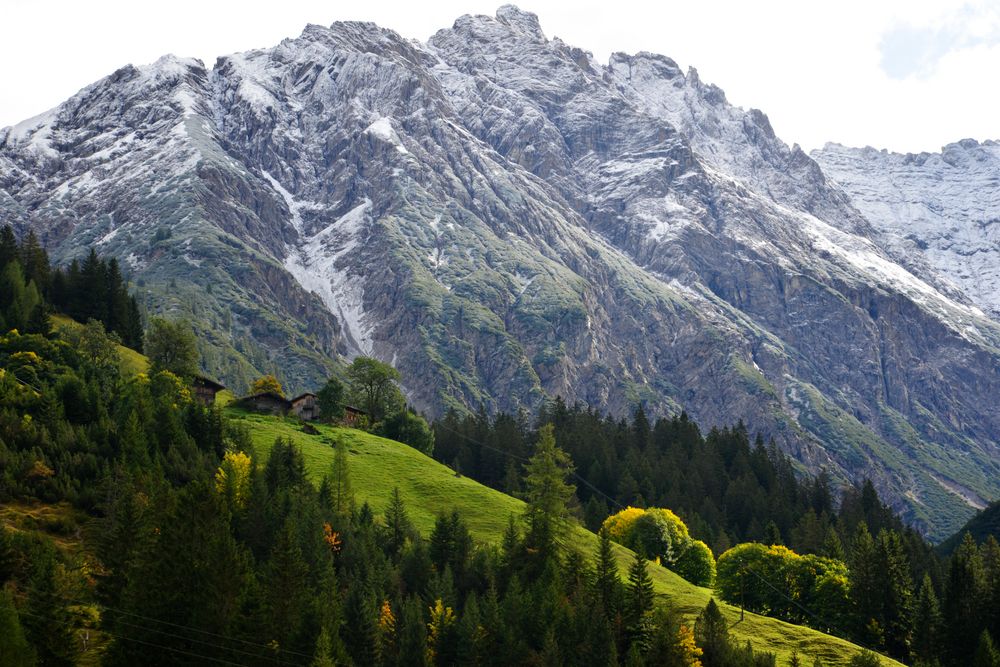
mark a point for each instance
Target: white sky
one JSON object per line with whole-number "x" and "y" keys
{"x": 908, "y": 75}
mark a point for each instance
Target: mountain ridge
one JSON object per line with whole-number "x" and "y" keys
{"x": 504, "y": 219}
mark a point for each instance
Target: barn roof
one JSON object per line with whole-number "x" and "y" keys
{"x": 266, "y": 394}
{"x": 208, "y": 382}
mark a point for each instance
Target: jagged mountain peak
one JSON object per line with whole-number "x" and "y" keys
{"x": 520, "y": 20}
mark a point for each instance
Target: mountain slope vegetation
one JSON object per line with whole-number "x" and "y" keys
{"x": 428, "y": 488}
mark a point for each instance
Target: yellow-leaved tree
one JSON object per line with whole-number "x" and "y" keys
{"x": 660, "y": 535}
{"x": 267, "y": 384}
{"x": 690, "y": 653}
{"x": 232, "y": 479}
{"x": 439, "y": 628}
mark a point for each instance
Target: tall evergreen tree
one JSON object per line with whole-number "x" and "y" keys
{"x": 8, "y": 246}
{"x": 14, "y": 648}
{"x": 963, "y": 599}
{"x": 927, "y": 624}
{"x": 35, "y": 262}
{"x": 607, "y": 585}
{"x": 412, "y": 634}
{"x": 547, "y": 494}
{"x": 47, "y": 621}
{"x": 711, "y": 634}
{"x": 896, "y": 594}
{"x": 361, "y": 626}
{"x": 866, "y": 582}
{"x": 639, "y": 605}
{"x": 286, "y": 590}
{"x": 986, "y": 654}
{"x": 337, "y": 484}
{"x": 397, "y": 524}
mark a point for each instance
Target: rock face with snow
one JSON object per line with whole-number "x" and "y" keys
{"x": 505, "y": 219}
{"x": 939, "y": 213}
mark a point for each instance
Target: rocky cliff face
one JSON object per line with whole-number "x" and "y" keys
{"x": 938, "y": 213}
{"x": 505, "y": 219}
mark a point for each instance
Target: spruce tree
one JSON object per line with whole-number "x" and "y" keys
{"x": 986, "y": 654}
{"x": 963, "y": 599}
{"x": 639, "y": 605}
{"x": 607, "y": 585}
{"x": 397, "y": 524}
{"x": 866, "y": 583}
{"x": 896, "y": 593}
{"x": 323, "y": 655}
{"x": 286, "y": 589}
{"x": 35, "y": 262}
{"x": 927, "y": 624}
{"x": 92, "y": 290}
{"x": 361, "y": 624}
{"x": 412, "y": 634}
{"x": 8, "y": 246}
{"x": 711, "y": 634}
{"x": 338, "y": 482}
{"x": 133, "y": 336}
{"x": 47, "y": 621}
{"x": 547, "y": 495}
{"x": 14, "y": 648}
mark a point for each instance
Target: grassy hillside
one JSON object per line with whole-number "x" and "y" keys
{"x": 132, "y": 362}
{"x": 428, "y": 488}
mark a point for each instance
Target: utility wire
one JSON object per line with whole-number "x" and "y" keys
{"x": 269, "y": 649}
{"x": 809, "y": 612}
{"x": 139, "y": 641}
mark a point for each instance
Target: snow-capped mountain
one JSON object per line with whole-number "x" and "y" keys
{"x": 504, "y": 219}
{"x": 939, "y": 212}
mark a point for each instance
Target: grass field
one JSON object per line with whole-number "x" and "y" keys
{"x": 429, "y": 488}
{"x": 132, "y": 362}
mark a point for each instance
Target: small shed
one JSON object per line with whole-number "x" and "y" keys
{"x": 305, "y": 406}
{"x": 205, "y": 389}
{"x": 267, "y": 402}
{"x": 353, "y": 415}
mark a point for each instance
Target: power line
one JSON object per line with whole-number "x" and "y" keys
{"x": 139, "y": 641}
{"x": 827, "y": 624}
{"x": 270, "y": 649}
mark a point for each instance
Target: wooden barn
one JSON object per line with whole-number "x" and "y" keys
{"x": 267, "y": 402}
{"x": 205, "y": 389}
{"x": 305, "y": 406}
{"x": 353, "y": 415}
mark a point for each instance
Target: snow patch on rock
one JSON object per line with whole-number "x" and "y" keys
{"x": 316, "y": 265}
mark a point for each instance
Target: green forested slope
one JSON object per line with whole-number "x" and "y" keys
{"x": 429, "y": 488}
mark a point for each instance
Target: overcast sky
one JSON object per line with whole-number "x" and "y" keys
{"x": 907, "y": 75}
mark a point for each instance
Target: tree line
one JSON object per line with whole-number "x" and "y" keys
{"x": 31, "y": 289}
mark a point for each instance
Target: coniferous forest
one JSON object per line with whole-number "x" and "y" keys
{"x": 200, "y": 551}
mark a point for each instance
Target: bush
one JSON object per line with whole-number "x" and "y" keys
{"x": 697, "y": 564}
{"x": 659, "y": 533}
